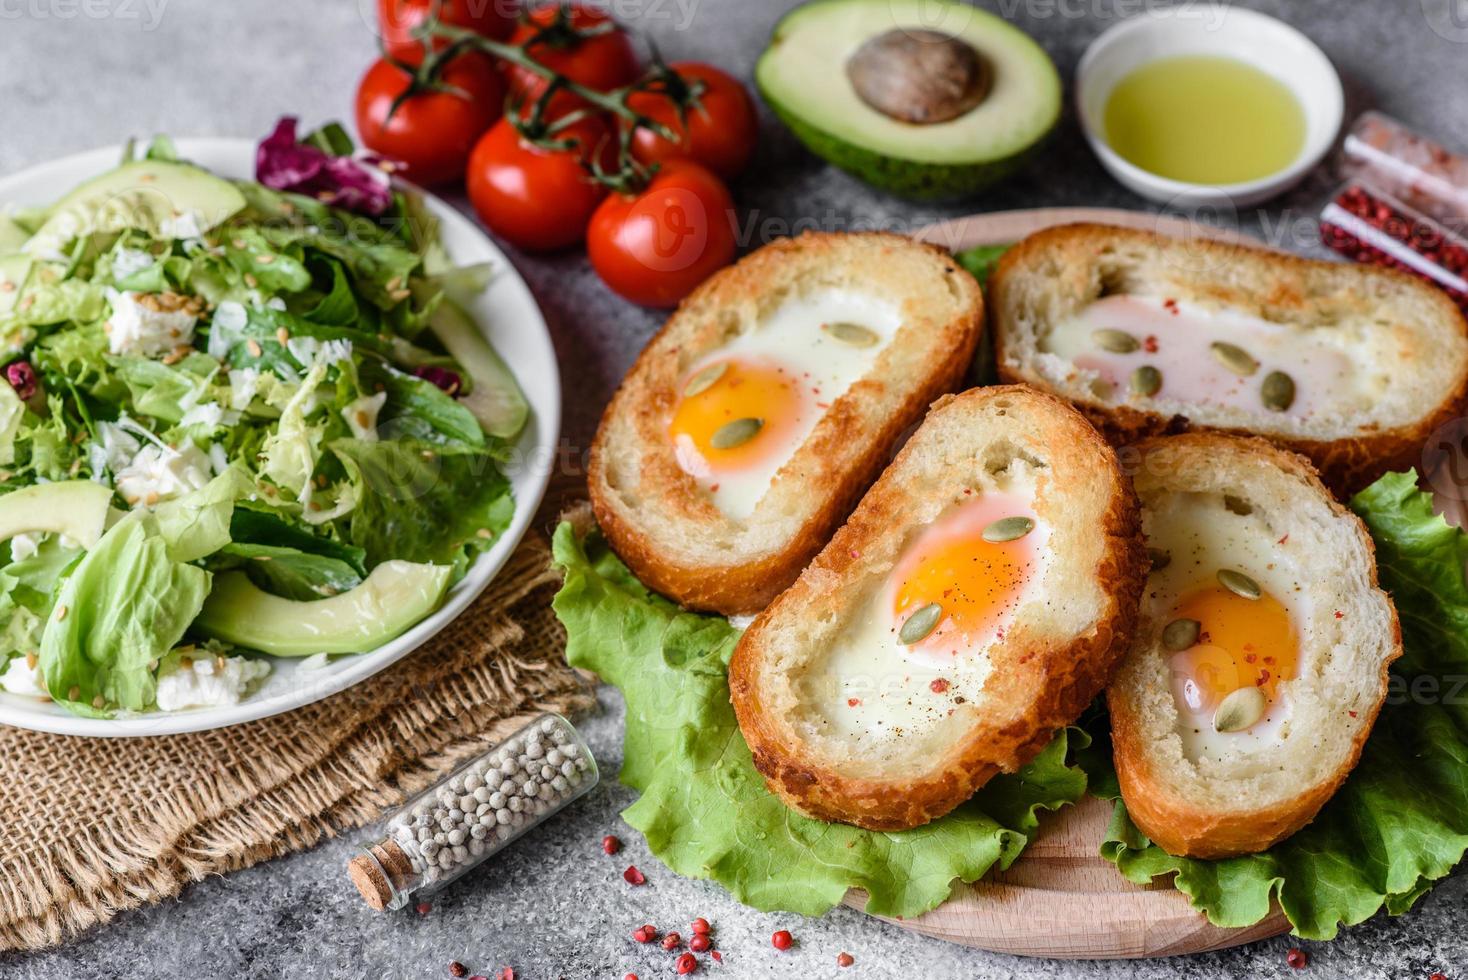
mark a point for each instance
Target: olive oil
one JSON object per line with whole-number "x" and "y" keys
{"x": 1205, "y": 119}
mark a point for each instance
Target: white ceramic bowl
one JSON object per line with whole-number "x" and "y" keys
{"x": 509, "y": 317}
{"x": 1220, "y": 30}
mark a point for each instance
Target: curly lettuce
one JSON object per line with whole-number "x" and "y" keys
{"x": 704, "y": 809}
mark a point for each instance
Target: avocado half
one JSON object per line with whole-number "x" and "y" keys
{"x": 803, "y": 76}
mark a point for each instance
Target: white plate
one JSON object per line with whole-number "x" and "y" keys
{"x": 507, "y": 314}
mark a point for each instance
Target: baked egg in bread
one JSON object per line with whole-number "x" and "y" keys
{"x": 756, "y": 417}
{"x": 1261, "y": 652}
{"x": 974, "y": 603}
{"x": 1353, "y": 366}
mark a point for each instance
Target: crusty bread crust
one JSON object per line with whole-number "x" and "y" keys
{"x": 1156, "y": 795}
{"x": 1043, "y": 675}
{"x": 1067, "y": 260}
{"x": 657, "y": 517}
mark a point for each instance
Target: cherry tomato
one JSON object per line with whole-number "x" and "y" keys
{"x": 719, "y": 132}
{"x": 432, "y": 133}
{"x": 535, "y": 198}
{"x": 602, "y": 62}
{"x": 396, "y": 20}
{"x": 656, "y": 246}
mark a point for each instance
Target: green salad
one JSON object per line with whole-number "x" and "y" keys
{"x": 236, "y": 420}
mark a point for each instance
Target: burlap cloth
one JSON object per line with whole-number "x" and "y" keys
{"x": 96, "y": 826}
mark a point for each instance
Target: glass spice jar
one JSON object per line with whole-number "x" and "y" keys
{"x": 474, "y": 813}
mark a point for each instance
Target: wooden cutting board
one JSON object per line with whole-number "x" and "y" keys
{"x": 1060, "y": 899}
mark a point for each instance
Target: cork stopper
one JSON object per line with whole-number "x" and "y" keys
{"x": 380, "y": 873}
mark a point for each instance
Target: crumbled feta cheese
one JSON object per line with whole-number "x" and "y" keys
{"x": 224, "y": 328}
{"x": 211, "y": 415}
{"x": 116, "y": 448}
{"x": 275, "y": 303}
{"x": 243, "y": 383}
{"x": 218, "y": 460}
{"x": 129, "y": 261}
{"x": 23, "y": 676}
{"x": 24, "y": 546}
{"x": 207, "y": 682}
{"x": 308, "y": 351}
{"x": 361, "y": 416}
{"x": 160, "y": 474}
{"x": 314, "y": 662}
{"x": 182, "y": 224}
{"x": 137, "y": 329}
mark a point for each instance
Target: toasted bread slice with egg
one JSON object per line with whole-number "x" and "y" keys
{"x": 976, "y": 601}
{"x": 1261, "y": 653}
{"x": 1352, "y": 366}
{"x": 768, "y": 403}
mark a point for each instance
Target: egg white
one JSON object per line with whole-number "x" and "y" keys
{"x": 889, "y": 682}
{"x": 1201, "y": 535}
{"x": 826, "y": 368}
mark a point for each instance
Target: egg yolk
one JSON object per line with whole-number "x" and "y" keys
{"x": 761, "y": 401}
{"x": 978, "y": 583}
{"x": 1241, "y": 642}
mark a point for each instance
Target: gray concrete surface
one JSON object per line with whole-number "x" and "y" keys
{"x": 80, "y": 73}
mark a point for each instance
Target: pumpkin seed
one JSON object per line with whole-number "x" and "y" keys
{"x": 1159, "y": 558}
{"x": 851, "y": 333}
{"x": 705, "y": 379}
{"x": 1237, "y": 505}
{"x": 732, "y": 435}
{"x": 1115, "y": 341}
{"x": 1180, "y": 634}
{"x": 1008, "y": 529}
{"x": 1278, "y": 391}
{"x": 1240, "y": 710}
{"x": 1146, "y": 381}
{"x": 920, "y": 624}
{"x": 1236, "y": 359}
{"x": 1238, "y": 583}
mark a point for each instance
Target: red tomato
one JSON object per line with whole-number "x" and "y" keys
{"x": 432, "y": 133}
{"x": 603, "y": 62}
{"x": 535, "y": 198}
{"x": 396, "y": 20}
{"x": 719, "y": 132}
{"x": 655, "y": 247}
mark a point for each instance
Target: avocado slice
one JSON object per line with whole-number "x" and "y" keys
{"x": 14, "y": 271}
{"x": 75, "y": 508}
{"x": 164, "y": 199}
{"x": 394, "y": 597}
{"x": 494, "y": 398}
{"x": 831, "y": 62}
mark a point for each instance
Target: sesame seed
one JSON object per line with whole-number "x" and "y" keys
{"x": 361, "y": 418}
{"x": 485, "y": 533}
{"x": 254, "y": 348}
{"x": 185, "y": 663}
{"x": 31, "y": 660}
{"x": 99, "y": 701}
{"x": 282, "y": 335}
{"x": 151, "y": 498}
{"x": 73, "y": 692}
{"x": 265, "y": 259}
{"x": 61, "y": 612}
{"x": 251, "y": 281}
{"x": 7, "y": 286}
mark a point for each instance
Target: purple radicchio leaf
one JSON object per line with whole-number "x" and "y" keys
{"x": 285, "y": 164}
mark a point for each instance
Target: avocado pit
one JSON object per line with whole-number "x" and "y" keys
{"x": 919, "y": 77}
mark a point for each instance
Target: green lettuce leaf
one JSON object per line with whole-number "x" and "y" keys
{"x": 981, "y": 260}
{"x": 197, "y": 524}
{"x": 256, "y": 523}
{"x": 288, "y": 572}
{"x": 1400, "y": 822}
{"x": 127, "y": 603}
{"x": 704, "y": 809}
{"x": 423, "y": 502}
